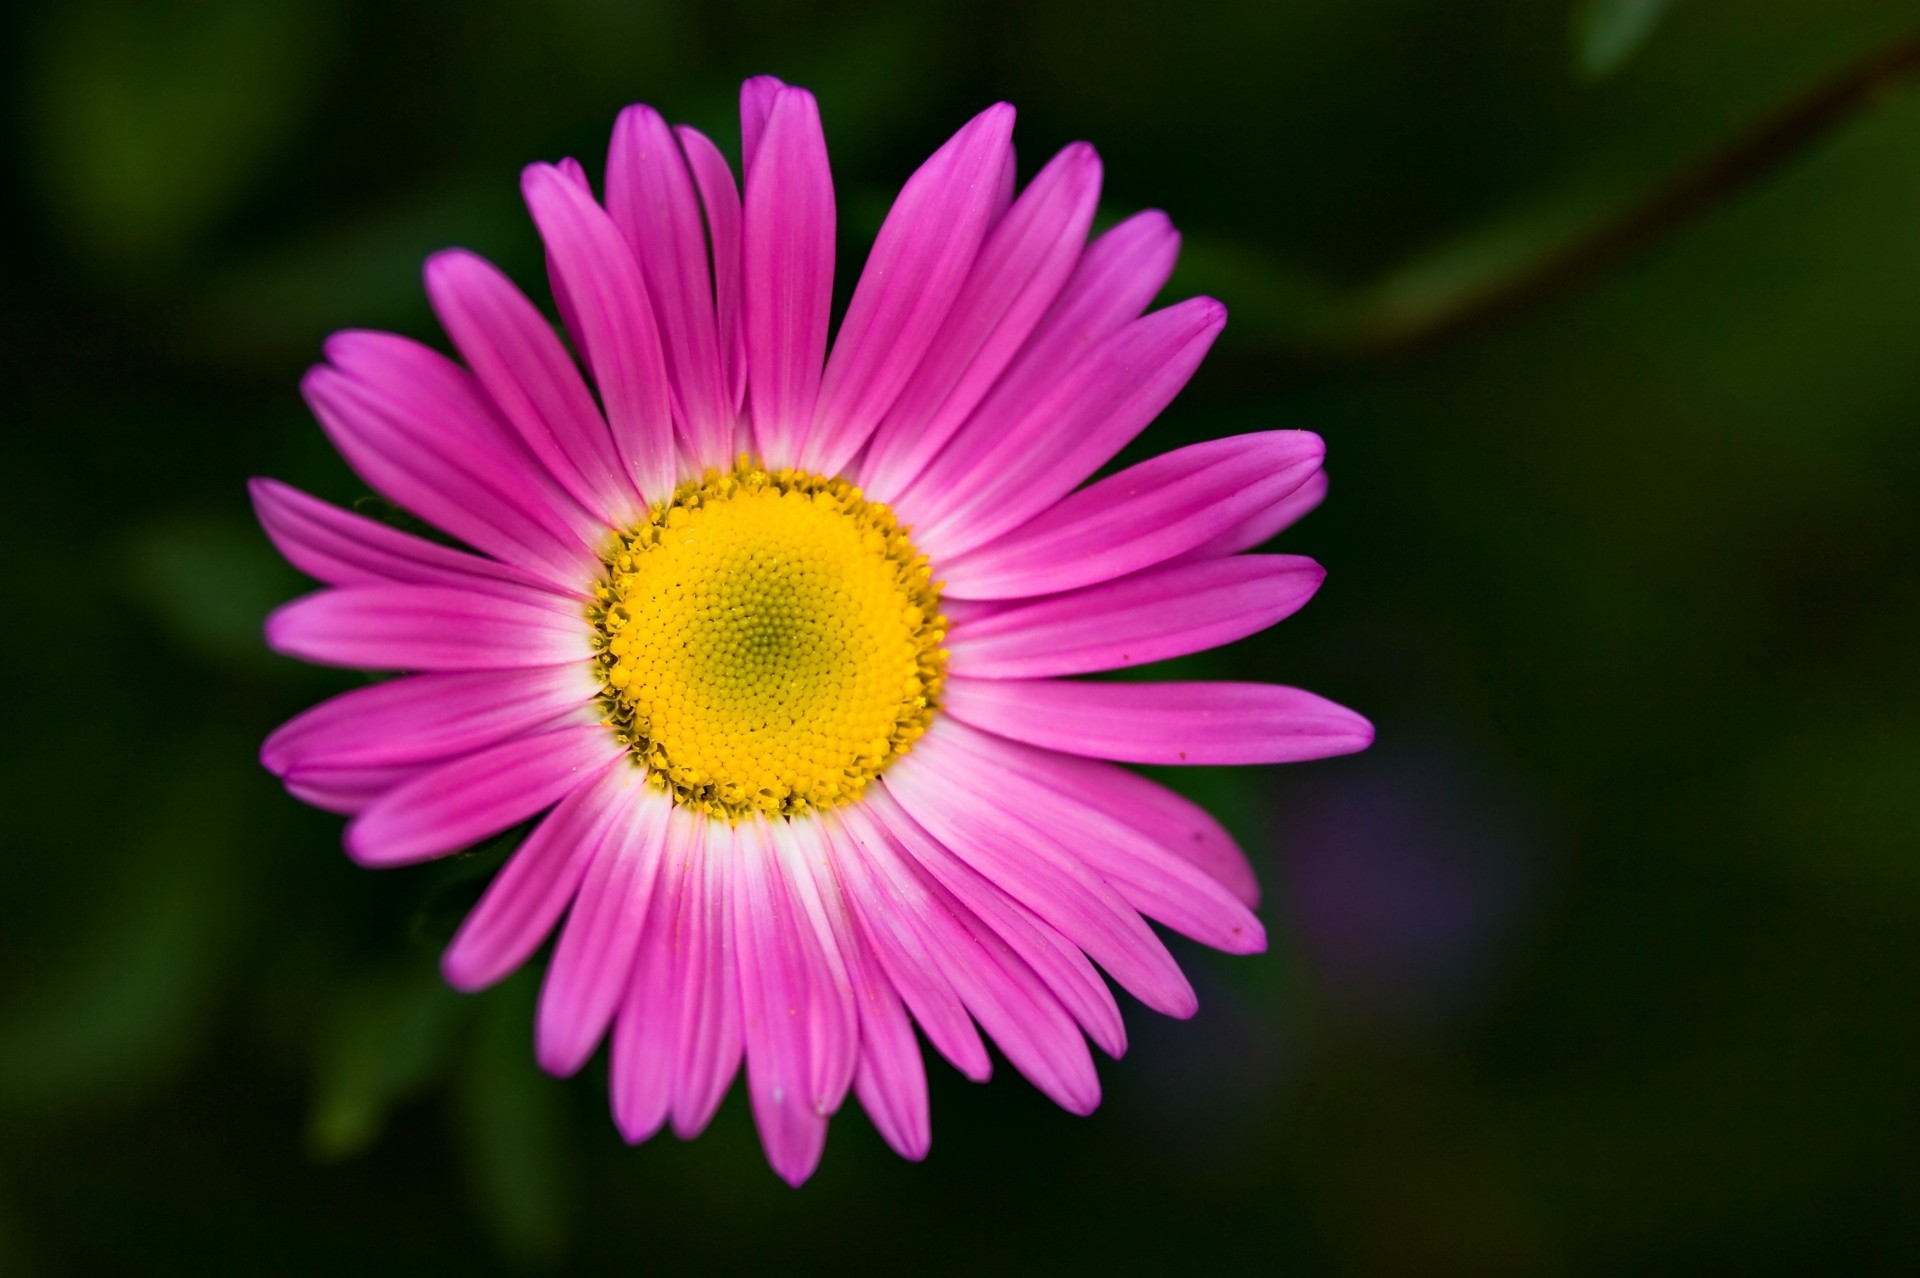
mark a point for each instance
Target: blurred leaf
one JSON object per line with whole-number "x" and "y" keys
{"x": 513, "y": 1126}
{"x": 153, "y": 117}
{"x": 210, "y": 584}
{"x": 1608, "y": 32}
{"x": 388, "y": 1038}
{"x": 128, "y": 1001}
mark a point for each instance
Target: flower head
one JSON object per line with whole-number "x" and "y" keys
{"x": 775, "y": 637}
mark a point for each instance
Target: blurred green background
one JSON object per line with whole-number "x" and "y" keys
{"x": 1602, "y": 961}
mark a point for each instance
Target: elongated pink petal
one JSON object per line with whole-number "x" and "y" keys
{"x": 603, "y": 286}
{"x": 525, "y": 900}
{"x": 1114, "y": 281}
{"x": 472, "y": 798}
{"x": 1148, "y": 616}
{"x": 706, "y": 984}
{"x": 787, "y": 229}
{"x": 435, "y": 454}
{"x": 1012, "y": 1003}
{"x": 645, "y": 1052}
{"x": 888, "y": 1075}
{"x": 427, "y": 717}
{"x": 891, "y": 915}
{"x": 1264, "y": 524}
{"x": 1161, "y": 722}
{"x": 348, "y": 789}
{"x": 833, "y": 1029}
{"x": 982, "y": 487}
{"x": 757, "y": 96}
{"x": 1020, "y": 270}
{"x": 594, "y": 959}
{"x": 429, "y": 628}
{"x": 1159, "y": 884}
{"x": 779, "y": 994}
{"x": 1142, "y": 516}
{"x": 514, "y": 353}
{"x": 345, "y": 549}
{"x": 1170, "y": 820}
{"x": 1018, "y": 924}
{"x": 720, "y": 201}
{"x": 931, "y": 783}
{"x": 912, "y": 278}
{"x": 651, "y": 195}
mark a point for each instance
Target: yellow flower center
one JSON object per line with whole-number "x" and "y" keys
{"x": 768, "y": 642}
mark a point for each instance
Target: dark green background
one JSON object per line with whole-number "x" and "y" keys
{"x": 1602, "y": 961}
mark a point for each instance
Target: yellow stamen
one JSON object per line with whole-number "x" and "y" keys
{"x": 768, "y": 642}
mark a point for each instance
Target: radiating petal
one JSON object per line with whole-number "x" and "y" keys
{"x": 429, "y": 628}
{"x": 757, "y": 96}
{"x": 1034, "y": 868}
{"x": 594, "y": 959}
{"x": 1016, "y": 1008}
{"x": 603, "y": 286}
{"x": 914, "y": 274}
{"x": 345, "y": 549}
{"x": 1020, "y": 271}
{"x": 526, "y": 899}
{"x": 893, "y": 915}
{"x": 427, "y": 717}
{"x": 1262, "y": 525}
{"x": 644, "y": 1055}
{"x": 1161, "y": 722}
{"x": 1019, "y": 924}
{"x": 1142, "y": 516}
{"x": 349, "y": 788}
{"x": 720, "y": 201}
{"x": 651, "y": 196}
{"x": 1154, "y": 881}
{"x": 1147, "y": 616}
{"x": 705, "y": 980}
{"x": 419, "y": 433}
{"x": 532, "y": 380}
{"x": 787, "y": 231}
{"x": 991, "y": 480}
{"x": 460, "y": 803}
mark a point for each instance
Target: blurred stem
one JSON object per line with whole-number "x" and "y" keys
{"x": 1567, "y": 263}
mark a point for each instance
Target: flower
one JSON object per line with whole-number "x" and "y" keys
{"x": 779, "y": 636}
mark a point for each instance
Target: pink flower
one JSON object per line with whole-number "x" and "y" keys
{"x": 776, "y": 636}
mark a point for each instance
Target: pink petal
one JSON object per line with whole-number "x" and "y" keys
{"x": 602, "y": 283}
{"x": 1263, "y": 525}
{"x": 344, "y": 549}
{"x": 720, "y": 200}
{"x": 429, "y": 628}
{"x": 527, "y": 897}
{"x": 1015, "y": 1007}
{"x": 757, "y": 96}
{"x": 650, "y": 194}
{"x": 479, "y": 795}
{"x": 426, "y": 717}
{"x": 913, "y": 276}
{"x": 347, "y": 789}
{"x": 936, "y": 788}
{"x": 1163, "y": 612}
{"x": 891, "y": 920}
{"x": 780, "y": 996}
{"x": 996, "y": 475}
{"x": 1021, "y": 268}
{"x": 888, "y": 1076}
{"x": 833, "y": 1031}
{"x": 1173, "y": 822}
{"x": 1154, "y": 881}
{"x": 532, "y": 381}
{"x": 787, "y": 231}
{"x": 422, "y": 437}
{"x": 1014, "y": 923}
{"x": 1139, "y": 517}
{"x": 645, "y": 1049}
{"x": 1161, "y": 722}
{"x": 594, "y": 959}
{"x": 706, "y": 987}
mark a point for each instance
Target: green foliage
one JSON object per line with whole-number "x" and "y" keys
{"x": 1606, "y": 33}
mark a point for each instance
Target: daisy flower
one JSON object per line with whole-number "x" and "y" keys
{"x": 775, "y": 641}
